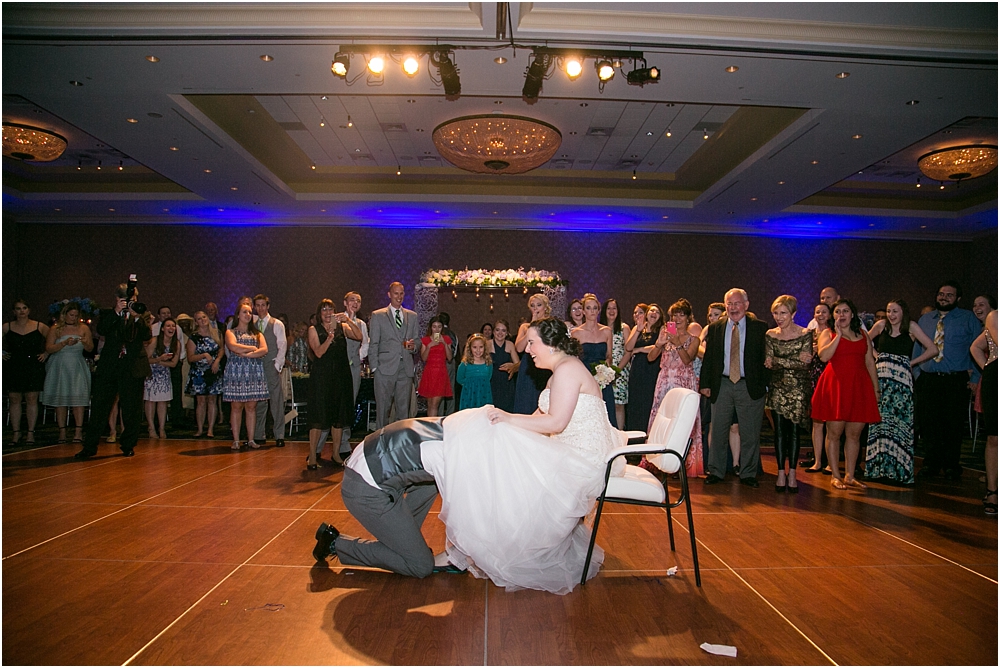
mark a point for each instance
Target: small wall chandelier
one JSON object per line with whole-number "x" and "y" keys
{"x": 959, "y": 162}
{"x": 492, "y": 144}
{"x": 24, "y": 142}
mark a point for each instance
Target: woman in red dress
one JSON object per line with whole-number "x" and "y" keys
{"x": 846, "y": 395}
{"x": 435, "y": 351}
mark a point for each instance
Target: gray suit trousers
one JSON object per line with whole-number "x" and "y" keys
{"x": 733, "y": 400}
{"x": 276, "y": 403}
{"x": 396, "y": 389}
{"x": 394, "y": 520}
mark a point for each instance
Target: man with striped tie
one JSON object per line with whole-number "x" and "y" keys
{"x": 392, "y": 336}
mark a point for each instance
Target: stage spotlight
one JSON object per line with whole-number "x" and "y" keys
{"x": 341, "y": 64}
{"x": 410, "y": 66}
{"x": 448, "y": 73}
{"x": 641, "y": 77}
{"x": 573, "y": 67}
{"x": 533, "y": 77}
{"x": 605, "y": 70}
{"x": 376, "y": 64}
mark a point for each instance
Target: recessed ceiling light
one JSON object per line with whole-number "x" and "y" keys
{"x": 665, "y": 217}
{"x": 499, "y": 60}
{"x": 166, "y": 209}
{"x": 842, "y": 75}
{"x": 152, "y": 59}
{"x": 855, "y": 136}
{"x": 357, "y": 150}
{"x": 74, "y": 82}
{"x": 132, "y": 120}
{"x": 322, "y": 210}
{"x": 221, "y": 209}
{"x": 923, "y": 227}
{"x": 323, "y": 97}
{"x": 58, "y": 209}
{"x": 110, "y": 209}
{"x": 208, "y": 171}
{"x": 266, "y": 58}
{"x": 781, "y": 183}
{"x": 913, "y": 102}
{"x": 649, "y": 134}
{"x": 669, "y": 133}
{"x": 815, "y": 162}
{"x": 174, "y": 148}
{"x": 871, "y": 224}
{"x": 312, "y": 166}
{"x": 753, "y": 199}
{"x": 766, "y": 220}
{"x": 234, "y": 188}
{"x": 732, "y": 68}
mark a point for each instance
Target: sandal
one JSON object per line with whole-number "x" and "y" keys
{"x": 30, "y": 438}
{"x": 236, "y": 446}
{"x": 838, "y": 483}
{"x": 854, "y": 482}
{"x": 253, "y": 444}
{"x": 16, "y": 439}
{"x": 990, "y": 508}
{"x": 111, "y": 438}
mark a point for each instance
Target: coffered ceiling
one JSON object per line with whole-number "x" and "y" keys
{"x": 228, "y": 113}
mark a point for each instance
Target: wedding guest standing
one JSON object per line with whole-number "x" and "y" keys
{"x": 164, "y": 354}
{"x": 530, "y": 380}
{"x": 435, "y": 351}
{"x": 889, "y": 455}
{"x": 245, "y": 383}
{"x": 676, "y": 348}
{"x": 846, "y": 394}
{"x": 392, "y": 337}
{"x": 298, "y": 348}
{"x": 474, "y": 374}
{"x": 356, "y": 351}
{"x": 205, "y": 354}
{"x": 24, "y": 367}
{"x": 273, "y": 331}
{"x": 611, "y": 317}
{"x": 643, "y": 372}
{"x": 788, "y": 354}
{"x": 823, "y": 318}
{"x": 715, "y": 311}
{"x": 67, "y": 374}
{"x": 487, "y": 330}
{"x": 984, "y": 352}
{"x": 504, "y": 357}
{"x": 574, "y": 314}
{"x": 597, "y": 343}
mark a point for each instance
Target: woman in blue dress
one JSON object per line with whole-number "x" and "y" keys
{"x": 530, "y": 380}
{"x": 598, "y": 341}
{"x": 67, "y": 374}
{"x": 475, "y": 373}
{"x": 164, "y": 354}
{"x": 204, "y": 355}
{"x": 504, "y": 356}
{"x": 245, "y": 384}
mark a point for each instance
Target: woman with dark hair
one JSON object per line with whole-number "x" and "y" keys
{"x": 164, "y": 354}
{"x": 435, "y": 351}
{"x": 597, "y": 343}
{"x": 823, "y": 315}
{"x": 331, "y": 386}
{"x": 530, "y": 380}
{"x": 514, "y": 504}
{"x": 244, "y": 383}
{"x": 486, "y": 330}
{"x": 984, "y": 352}
{"x": 574, "y": 314}
{"x": 67, "y": 375}
{"x": 611, "y": 317}
{"x": 889, "y": 455}
{"x": 504, "y": 355}
{"x": 846, "y": 394}
{"x": 24, "y": 366}
{"x": 644, "y": 372}
{"x": 982, "y": 305}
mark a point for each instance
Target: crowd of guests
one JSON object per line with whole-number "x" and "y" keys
{"x": 839, "y": 380}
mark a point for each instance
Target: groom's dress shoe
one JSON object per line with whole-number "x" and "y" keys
{"x": 85, "y": 454}
{"x": 325, "y": 537}
{"x": 712, "y": 479}
{"x": 127, "y": 452}
{"x": 449, "y": 568}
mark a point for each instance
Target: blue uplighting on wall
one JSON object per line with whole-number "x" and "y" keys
{"x": 391, "y": 215}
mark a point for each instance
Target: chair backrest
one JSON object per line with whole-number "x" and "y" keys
{"x": 672, "y": 426}
{"x": 286, "y": 384}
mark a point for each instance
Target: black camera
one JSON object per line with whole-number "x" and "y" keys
{"x": 132, "y": 295}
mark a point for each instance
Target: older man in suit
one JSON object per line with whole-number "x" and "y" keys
{"x": 392, "y": 337}
{"x": 734, "y": 377}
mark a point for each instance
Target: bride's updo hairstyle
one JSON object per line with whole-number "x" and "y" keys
{"x": 553, "y": 333}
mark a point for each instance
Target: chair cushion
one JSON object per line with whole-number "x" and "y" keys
{"x": 638, "y": 484}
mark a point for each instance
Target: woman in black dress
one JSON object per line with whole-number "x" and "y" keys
{"x": 530, "y": 380}
{"x": 643, "y": 374}
{"x": 505, "y": 359}
{"x": 23, "y": 366}
{"x": 331, "y": 386}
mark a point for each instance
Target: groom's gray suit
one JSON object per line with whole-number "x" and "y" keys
{"x": 391, "y": 363}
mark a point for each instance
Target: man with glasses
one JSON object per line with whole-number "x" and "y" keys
{"x": 941, "y": 387}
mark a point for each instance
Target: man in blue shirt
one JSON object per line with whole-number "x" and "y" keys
{"x": 942, "y": 383}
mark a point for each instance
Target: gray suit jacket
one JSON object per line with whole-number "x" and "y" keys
{"x": 385, "y": 349}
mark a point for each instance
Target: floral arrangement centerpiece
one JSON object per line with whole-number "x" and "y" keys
{"x": 499, "y": 278}
{"x": 88, "y": 308}
{"x": 604, "y": 374}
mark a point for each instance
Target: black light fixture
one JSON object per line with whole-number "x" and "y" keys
{"x": 643, "y": 76}
{"x": 605, "y": 70}
{"x": 341, "y": 65}
{"x": 448, "y": 73}
{"x": 534, "y": 76}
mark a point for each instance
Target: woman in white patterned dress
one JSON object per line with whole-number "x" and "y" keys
{"x": 163, "y": 356}
{"x": 244, "y": 385}
{"x": 620, "y": 357}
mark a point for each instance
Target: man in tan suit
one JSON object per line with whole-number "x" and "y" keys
{"x": 393, "y": 334}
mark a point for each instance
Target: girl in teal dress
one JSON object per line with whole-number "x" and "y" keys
{"x": 474, "y": 374}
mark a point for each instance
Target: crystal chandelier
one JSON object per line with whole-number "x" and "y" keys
{"x": 24, "y": 142}
{"x": 959, "y": 162}
{"x": 493, "y": 144}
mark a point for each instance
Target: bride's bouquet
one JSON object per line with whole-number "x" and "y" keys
{"x": 604, "y": 374}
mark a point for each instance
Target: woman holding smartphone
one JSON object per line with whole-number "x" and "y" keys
{"x": 435, "y": 351}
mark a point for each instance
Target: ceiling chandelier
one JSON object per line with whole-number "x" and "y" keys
{"x": 24, "y": 142}
{"x": 493, "y": 144}
{"x": 959, "y": 162}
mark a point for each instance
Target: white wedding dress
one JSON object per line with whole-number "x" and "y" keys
{"x": 514, "y": 501}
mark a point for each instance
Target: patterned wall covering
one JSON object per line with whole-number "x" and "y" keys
{"x": 185, "y": 266}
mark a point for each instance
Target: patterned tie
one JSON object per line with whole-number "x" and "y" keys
{"x": 399, "y": 319}
{"x": 734, "y": 354}
{"x": 939, "y": 339}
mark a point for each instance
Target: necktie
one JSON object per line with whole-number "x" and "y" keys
{"x": 939, "y": 339}
{"x": 734, "y": 354}
{"x": 399, "y": 319}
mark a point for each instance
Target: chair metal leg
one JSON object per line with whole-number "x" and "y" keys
{"x": 694, "y": 543}
{"x": 670, "y": 522}
{"x": 593, "y": 537}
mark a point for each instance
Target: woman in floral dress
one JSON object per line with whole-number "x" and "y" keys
{"x": 611, "y": 316}
{"x": 245, "y": 384}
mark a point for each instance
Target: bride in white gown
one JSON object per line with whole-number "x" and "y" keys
{"x": 516, "y": 488}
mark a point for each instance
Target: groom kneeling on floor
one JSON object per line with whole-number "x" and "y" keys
{"x": 389, "y": 487}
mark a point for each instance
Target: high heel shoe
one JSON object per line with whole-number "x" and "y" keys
{"x": 30, "y": 438}
{"x": 311, "y": 467}
{"x": 990, "y": 508}
{"x": 253, "y": 444}
{"x": 780, "y": 488}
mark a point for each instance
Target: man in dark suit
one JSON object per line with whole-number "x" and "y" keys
{"x": 393, "y": 336}
{"x": 121, "y": 370}
{"x": 734, "y": 377}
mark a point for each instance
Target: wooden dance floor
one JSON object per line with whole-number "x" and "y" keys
{"x": 190, "y": 554}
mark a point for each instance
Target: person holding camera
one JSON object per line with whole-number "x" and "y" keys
{"x": 435, "y": 351}
{"x": 121, "y": 370}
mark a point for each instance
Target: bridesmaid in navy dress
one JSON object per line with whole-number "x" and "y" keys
{"x": 504, "y": 356}
{"x": 597, "y": 340}
{"x": 643, "y": 373}
{"x": 530, "y": 379}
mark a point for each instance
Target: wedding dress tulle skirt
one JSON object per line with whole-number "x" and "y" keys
{"x": 514, "y": 503}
